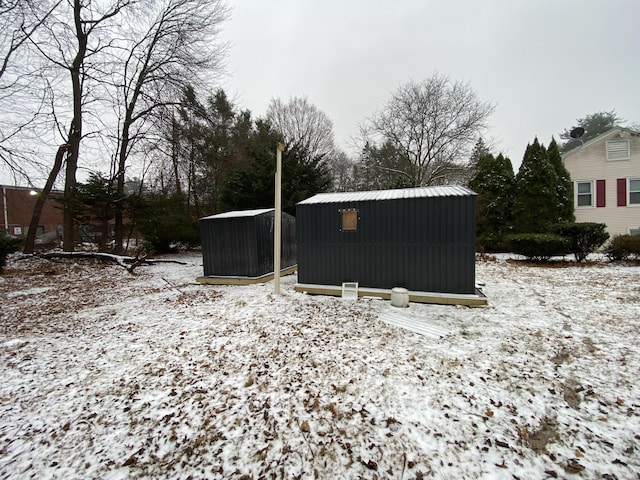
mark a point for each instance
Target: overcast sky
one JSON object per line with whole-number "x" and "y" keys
{"x": 544, "y": 63}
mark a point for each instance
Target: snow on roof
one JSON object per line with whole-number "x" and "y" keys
{"x": 240, "y": 213}
{"x": 374, "y": 195}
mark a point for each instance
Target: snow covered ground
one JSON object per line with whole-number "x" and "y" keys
{"x": 107, "y": 374}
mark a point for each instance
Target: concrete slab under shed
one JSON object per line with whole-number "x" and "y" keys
{"x": 239, "y": 280}
{"x": 471, "y": 300}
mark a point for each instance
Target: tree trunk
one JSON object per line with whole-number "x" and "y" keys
{"x": 42, "y": 198}
{"x": 118, "y": 232}
{"x": 175, "y": 153}
{"x": 76, "y": 132}
{"x": 68, "y": 222}
{"x": 125, "y": 141}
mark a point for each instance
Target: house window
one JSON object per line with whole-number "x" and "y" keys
{"x": 584, "y": 194}
{"x": 634, "y": 191}
{"x": 349, "y": 220}
{"x": 618, "y": 150}
{"x": 634, "y": 231}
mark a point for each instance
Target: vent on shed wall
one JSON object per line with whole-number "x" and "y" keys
{"x": 349, "y": 220}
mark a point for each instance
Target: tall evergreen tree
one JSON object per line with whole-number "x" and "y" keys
{"x": 479, "y": 150}
{"x": 95, "y": 205}
{"x": 163, "y": 221}
{"x": 564, "y": 188}
{"x": 253, "y": 186}
{"x": 536, "y": 198}
{"x": 494, "y": 183}
{"x": 382, "y": 168}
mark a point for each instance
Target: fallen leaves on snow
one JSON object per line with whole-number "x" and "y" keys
{"x": 111, "y": 374}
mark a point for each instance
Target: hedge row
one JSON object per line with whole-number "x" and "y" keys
{"x": 539, "y": 246}
{"x": 623, "y": 247}
{"x": 580, "y": 239}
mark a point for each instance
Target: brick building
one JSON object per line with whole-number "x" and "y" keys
{"x": 16, "y": 208}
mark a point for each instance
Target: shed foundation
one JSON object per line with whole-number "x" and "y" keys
{"x": 471, "y": 300}
{"x": 240, "y": 280}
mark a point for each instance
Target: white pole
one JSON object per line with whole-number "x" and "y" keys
{"x": 277, "y": 222}
{"x": 6, "y": 210}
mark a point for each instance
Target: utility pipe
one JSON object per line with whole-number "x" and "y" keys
{"x": 276, "y": 221}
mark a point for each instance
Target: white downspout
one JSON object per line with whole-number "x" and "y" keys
{"x": 4, "y": 204}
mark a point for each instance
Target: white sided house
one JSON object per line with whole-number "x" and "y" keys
{"x": 606, "y": 180}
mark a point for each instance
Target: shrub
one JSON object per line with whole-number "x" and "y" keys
{"x": 623, "y": 247}
{"x": 164, "y": 222}
{"x": 585, "y": 237}
{"x": 492, "y": 244}
{"x": 7, "y": 245}
{"x": 539, "y": 246}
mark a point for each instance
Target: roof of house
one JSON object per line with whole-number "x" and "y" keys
{"x": 239, "y": 213}
{"x": 29, "y": 189}
{"x": 602, "y": 136}
{"x": 400, "y": 193}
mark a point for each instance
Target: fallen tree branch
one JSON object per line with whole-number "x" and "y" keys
{"x": 128, "y": 263}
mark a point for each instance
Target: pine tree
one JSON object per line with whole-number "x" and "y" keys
{"x": 564, "y": 188}
{"x": 253, "y": 186}
{"x": 383, "y": 168}
{"x": 479, "y": 150}
{"x": 95, "y": 206}
{"x": 164, "y": 221}
{"x": 494, "y": 182}
{"x": 536, "y": 198}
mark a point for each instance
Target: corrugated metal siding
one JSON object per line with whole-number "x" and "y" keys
{"x": 242, "y": 245}
{"x": 289, "y": 252}
{"x": 417, "y": 242}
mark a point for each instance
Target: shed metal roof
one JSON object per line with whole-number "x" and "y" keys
{"x": 239, "y": 213}
{"x": 400, "y": 193}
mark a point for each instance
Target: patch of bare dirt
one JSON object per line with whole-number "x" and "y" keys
{"x": 546, "y": 433}
{"x": 570, "y": 394}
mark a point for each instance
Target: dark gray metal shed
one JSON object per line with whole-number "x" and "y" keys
{"x": 422, "y": 239}
{"x": 240, "y": 243}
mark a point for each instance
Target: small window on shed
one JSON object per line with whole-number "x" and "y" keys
{"x": 349, "y": 220}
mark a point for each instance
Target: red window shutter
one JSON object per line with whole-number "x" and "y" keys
{"x": 622, "y": 192}
{"x": 601, "y": 194}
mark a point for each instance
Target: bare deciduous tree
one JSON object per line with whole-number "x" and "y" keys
{"x": 433, "y": 124}
{"x": 74, "y": 41}
{"x": 22, "y": 86}
{"x": 171, "y": 44}
{"x": 302, "y": 125}
{"x": 42, "y": 198}
{"x": 341, "y": 169}
{"x": 86, "y": 19}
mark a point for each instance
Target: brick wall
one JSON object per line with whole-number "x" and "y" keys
{"x": 16, "y": 208}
